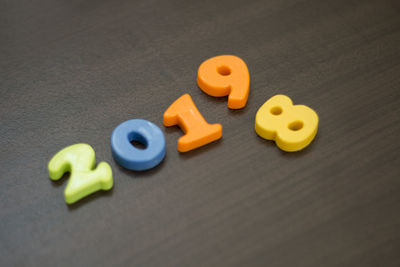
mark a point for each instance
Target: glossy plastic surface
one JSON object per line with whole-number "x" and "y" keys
{"x": 145, "y": 132}
{"x": 79, "y": 160}
{"x": 293, "y": 127}
{"x": 225, "y": 75}
{"x": 198, "y": 132}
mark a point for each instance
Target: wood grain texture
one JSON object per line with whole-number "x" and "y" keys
{"x": 71, "y": 71}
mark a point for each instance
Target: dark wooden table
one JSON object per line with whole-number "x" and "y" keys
{"x": 71, "y": 71}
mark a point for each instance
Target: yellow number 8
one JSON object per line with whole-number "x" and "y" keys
{"x": 293, "y": 127}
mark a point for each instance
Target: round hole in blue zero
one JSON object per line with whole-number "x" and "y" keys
{"x": 141, "y": 131}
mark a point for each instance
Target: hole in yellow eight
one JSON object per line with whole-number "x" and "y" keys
{"x": 296, "y": 125}
{"x": 276, "y": 110}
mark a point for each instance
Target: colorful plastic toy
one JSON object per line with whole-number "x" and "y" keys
{"x": 198, "y": 132}
{"x": 79, "y": 160}
{"x": 293, "y": 127}
{"x": 145, "y": 132}
{"x": 225, "y": 75}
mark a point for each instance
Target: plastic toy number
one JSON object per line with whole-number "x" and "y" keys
{"x": 198, "y": 132}
{"x": 79, "y": 160}
{"x": 144, "y": 132}
{"x": 225, "y": 75}
{"x": 293, "y": 127}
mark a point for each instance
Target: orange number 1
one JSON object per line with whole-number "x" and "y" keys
{"x": 198, "y": 132}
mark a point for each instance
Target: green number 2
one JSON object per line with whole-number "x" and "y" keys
{"x": 79, "y": 160}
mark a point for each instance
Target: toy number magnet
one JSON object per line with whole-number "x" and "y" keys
{"x": 141, "y": 131}
{"x": 198, "y": 132}
{"x": 79, "y": 160}
{"x": 293, "y": 127}
{"x": 225, "y": 75}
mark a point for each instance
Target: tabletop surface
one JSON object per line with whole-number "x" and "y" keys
{"x": 71, "y": 71}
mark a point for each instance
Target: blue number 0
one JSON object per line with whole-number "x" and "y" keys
{"x": 144, "y": 132}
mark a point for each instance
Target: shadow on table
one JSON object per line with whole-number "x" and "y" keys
{"x": 289, "y": 155}
{"x": 101, "y": 193}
